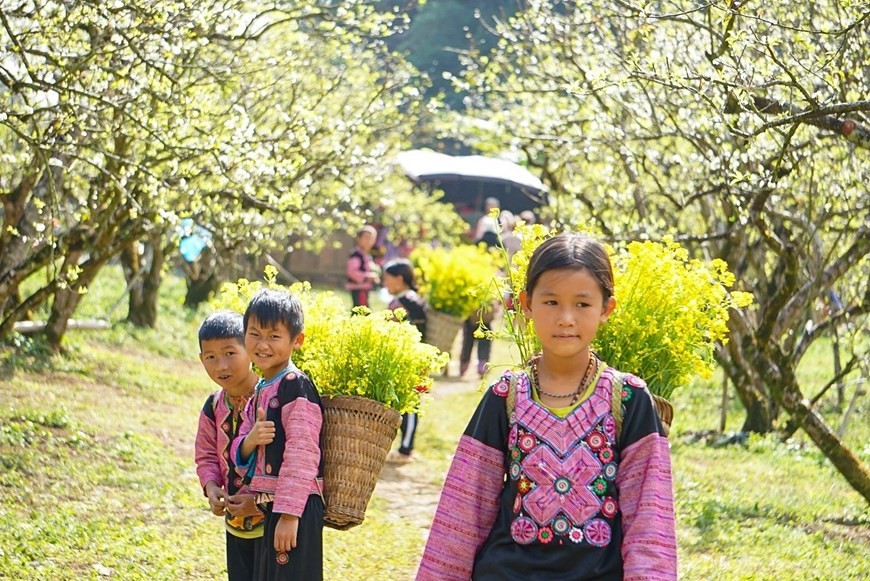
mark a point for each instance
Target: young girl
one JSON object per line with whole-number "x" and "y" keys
{"x": 399, "y": 281}
{"x": 544, "y": 483}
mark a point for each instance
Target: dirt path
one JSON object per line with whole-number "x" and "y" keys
{"x": 413, "y": 482}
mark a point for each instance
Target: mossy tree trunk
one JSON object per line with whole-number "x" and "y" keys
{"x": 143, "y": 265}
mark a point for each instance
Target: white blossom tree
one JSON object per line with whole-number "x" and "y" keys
{"x": 257, "y": 120}
{"x": 741, "y": 128}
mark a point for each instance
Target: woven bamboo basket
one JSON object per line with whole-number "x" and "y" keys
{"x": 665, "y": 411}
{"x": 441, "y": 329}
{"x": 357, "y": 434}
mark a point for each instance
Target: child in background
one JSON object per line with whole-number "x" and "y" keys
{"x": 222, "y": 353}
{"x": 279, "y": 442}
{"x": 399, "y": 281}
{"x": 544, "y": 484}
{"x": 362, "y": 272}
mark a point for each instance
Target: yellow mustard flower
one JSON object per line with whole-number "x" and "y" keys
{"x": 671, "y": 310}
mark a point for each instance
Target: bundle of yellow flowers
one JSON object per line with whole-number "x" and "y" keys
{"x": 671, "y": 310}
{"x": 454, "y": 280}
{"x": 368, "y": 354}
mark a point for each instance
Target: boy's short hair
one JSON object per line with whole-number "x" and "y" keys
{"x": 224, "y": 324}
{"x": 270, "y": 307}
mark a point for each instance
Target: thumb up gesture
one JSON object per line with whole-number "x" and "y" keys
{"x": 263, "y": 431}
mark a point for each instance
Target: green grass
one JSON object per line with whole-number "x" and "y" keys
{"x": 97, "y": 474}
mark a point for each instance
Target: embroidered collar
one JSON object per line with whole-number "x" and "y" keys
{"x": 264, "y": 383}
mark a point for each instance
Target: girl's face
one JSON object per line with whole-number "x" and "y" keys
{"x": 394, "y": 283}
{"x": 365, "y": 241}
{"x": 567, "y": 307}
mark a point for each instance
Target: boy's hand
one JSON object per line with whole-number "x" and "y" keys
{"x": 216, "y": 498}
{"x": 285, "y": 533}
{"x": 263, "y": 432}
{"x": 241, "y": 505}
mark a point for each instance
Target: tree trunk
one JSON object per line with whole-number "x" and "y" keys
{"x": 144, "y": 274}
{"x": 850, "y": 466}
{"x": 199, "y": 289}
{"x": 202, "y": 278}
{"x": 786, "y": 392}
{"x": 759, "y": 418}
{"x": 62, "y": 308}
{"x": 67, "y": 298}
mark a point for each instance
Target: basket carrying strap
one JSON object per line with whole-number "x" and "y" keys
{"x": 511, "y": 400}
{"x": 510, "y": 407}
{"x": 616, "y": 401}
{"x": 211, "y": 410}
{"x": 616, "y": 404}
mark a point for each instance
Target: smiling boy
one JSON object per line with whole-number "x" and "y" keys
{"x": 223, "y": 355}
{"x": 279, "y": 442}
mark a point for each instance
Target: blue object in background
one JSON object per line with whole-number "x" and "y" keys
{"x": 194, "y": 239}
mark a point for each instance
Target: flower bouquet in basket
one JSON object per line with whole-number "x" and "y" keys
{"x": 453, "y": 282}
{"x": 369, "y": 369}
{"x": 671, "y": 310}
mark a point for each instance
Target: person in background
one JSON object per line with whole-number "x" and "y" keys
{"x": 510, "y": 241}
{"x": 487, "y": 223}
{"x": 480, "y": 319}
{"x": 547, "y": 483}
{"x": 528, "y": 217}
{"x": 362, "y": 272}
{"x": 399, "y": 280}
{"x": 223, "y": 356}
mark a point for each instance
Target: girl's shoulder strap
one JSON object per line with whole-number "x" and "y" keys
{"x": 511, "y": 399}
{"x": 511, "y": 396}
{"x": 616, "y": 381}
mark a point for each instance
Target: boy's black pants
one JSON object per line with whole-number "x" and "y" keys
{"x": 305, "y": 562}
{"x": 240, "y": 557}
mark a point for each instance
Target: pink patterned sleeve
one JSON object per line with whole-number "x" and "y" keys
{"x": 649, "y": 546}
{"x": 205, "y": 449}
{"x": 302, "y": 420}
{"x": 466, "y": 512}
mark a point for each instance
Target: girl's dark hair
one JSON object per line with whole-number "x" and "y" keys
{"x": 402, "y": 267}
{"x": 271, "y": 307}
{"x": 575, "y": 252}
{"x": 222, "y": 324}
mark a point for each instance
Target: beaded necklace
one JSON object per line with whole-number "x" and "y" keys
{"x": 584, "y": 381}
{"x": 237, "y": 403}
